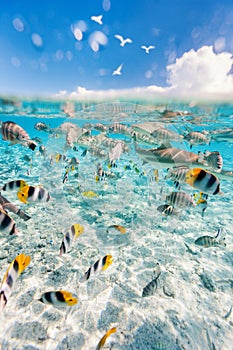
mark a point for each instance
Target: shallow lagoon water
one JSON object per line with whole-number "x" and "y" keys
{"x": 194, "y": 294}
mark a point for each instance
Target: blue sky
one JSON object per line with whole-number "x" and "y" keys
{"x": 40, "y": 55}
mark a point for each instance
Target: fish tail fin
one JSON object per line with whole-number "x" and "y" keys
{"x": 32, "y": 145}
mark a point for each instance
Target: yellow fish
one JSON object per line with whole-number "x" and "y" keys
{"x": 90, "y": 194}
{"x": 17, "y": 266}
{"x": 99, "y": 265}
{"x": 119, "y": 228}
{"x": 103, "y": 339}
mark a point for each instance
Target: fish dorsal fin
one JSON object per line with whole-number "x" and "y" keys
{"x": 164, "y": 145}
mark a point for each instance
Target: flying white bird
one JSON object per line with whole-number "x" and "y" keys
{"x": 147, "y": 49}
{"x": 97, "y": 19}
{"x": 118, "y": 70}
{"x": 122, "y": 40}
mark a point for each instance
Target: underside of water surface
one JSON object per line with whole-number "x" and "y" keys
{"x": 96, "y": 163}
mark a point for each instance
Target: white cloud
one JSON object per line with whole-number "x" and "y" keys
{"x": 201, "y": 74}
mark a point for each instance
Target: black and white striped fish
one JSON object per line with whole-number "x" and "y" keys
{"x": 7, "y": 224}
{"x": 151, "y": 287}
{"x": 17, "y": 266}
{"x": 180, "y": 199}
{"x": 73, "y": 233}
{"x": 58, "y": 298}
{"x": 100, "y": 265}
{"x": 16, "y": 134}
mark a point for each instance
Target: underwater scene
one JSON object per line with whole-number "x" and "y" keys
{"x": 116, "y": 225}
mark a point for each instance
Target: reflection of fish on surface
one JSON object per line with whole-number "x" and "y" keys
{"x": 203, "y": 180}
{"x": 208, "y": 241}
{"x": 33, "y": 194}
{"x": 74, "y": 232}
{"x": 17, "y": 266}
{"x": 118, "y": 228}
{"x": 197, "y": 138}
{"x": 103, "y": 339}
{"x": 58, "y": 298}
{"x": 100, "y": 265}
{"x": 167, "y": 157}
{"x": 151, "y": 287}
{"x": 16, "y": 134}
{"x": 7, "y": 224}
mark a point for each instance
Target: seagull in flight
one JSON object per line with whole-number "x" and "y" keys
{"x": 122, "y": 40}
{"x": 148, "y": 48}
{"x": 118, "y": 70}
{"x": 97, "y": 19}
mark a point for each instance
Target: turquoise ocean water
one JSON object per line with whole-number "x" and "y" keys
{"x": 191, "y": 306}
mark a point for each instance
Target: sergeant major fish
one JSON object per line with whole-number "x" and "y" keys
{"x": 208, "y": 241}
{"x": 100, "y": 265}
{"x": 58, "y": 298}
{"x": 151, "y": 287}
{"x": 15, "y": 269}
{"x": 180, "y": 199}
{"x": 74, "y": 232}
{"x": 16, "y": 134}
{"x": 33, "y": 194}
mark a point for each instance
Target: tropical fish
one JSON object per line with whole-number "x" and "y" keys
{"x": 208, "y": 241}
{"x": 58, "y": 298}
{"x": 12, "y": 185}
{"x": 42, "y": 150}
{"x": 151, "y": 287}
{"x": 103, "y": 339}
{"x": 66, "y": 176}
{"x": 101, "y": 127}
{"x": 180, "y": 199}
{"x": 6, "y": 205}
{"x": 100, "y": 265}
{"x": 89, "y": 194}
{"x": 167, "y": 209}
{"x": 16, "y": 134}
{"x": 214, "y": 159}
{"x": 41, "y": 126}
{"x": 60, "y": 157}
{"x": 74, "y": 232}
{"x": 119, "y": 228}
{"x": 177, "y": 174}
{"x": 158, "y": 131}
{"x": 17, "y": 266}
{"x": 33, "y": 194}
{"x": 196, "y": 138}
{"x": 7, "y": 224}
{"x": 203, "y": 180}
{"x": 167, "y": 157}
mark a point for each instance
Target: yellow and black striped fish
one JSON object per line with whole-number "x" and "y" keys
{"x": 16, "y": 134}
{"x": 17, "y": 266}
{"x": 7, "y": 224}
{"x": 103, "y": 339}
{"x": 58, "y": 298}
{"x": 203, "y": 180}
{"x": 100, "y": 265}
{"x": 13, "y": 185}
{"x": 33, "y": 194}
{"x": 75, "y": 231}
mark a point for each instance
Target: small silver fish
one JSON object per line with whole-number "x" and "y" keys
{"x": 151, "y": 287}
{"x": 180, "y": 199}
